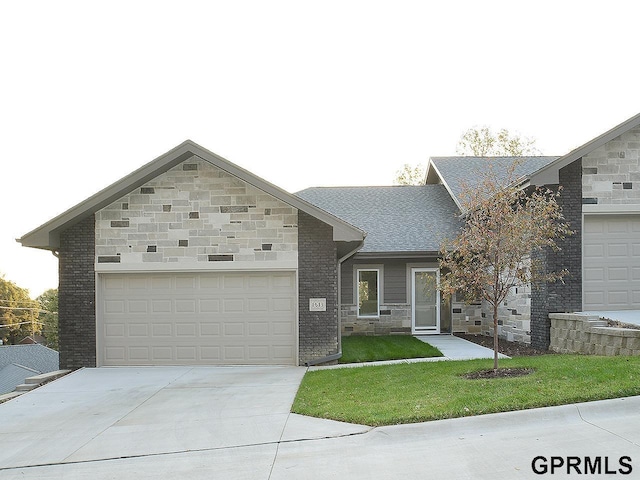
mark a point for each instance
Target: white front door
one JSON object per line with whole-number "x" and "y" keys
{"x": 425, "y": 301}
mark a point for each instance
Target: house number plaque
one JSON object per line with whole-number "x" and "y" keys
{"x": 317, "y": 304}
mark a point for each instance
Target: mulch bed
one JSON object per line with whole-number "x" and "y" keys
{"x": 499, "y": 373}
{"x": 510, "y": 349}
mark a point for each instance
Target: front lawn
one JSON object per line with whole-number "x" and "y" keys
{"x": 357, "y": 349}
{"x": 417, "y": 392}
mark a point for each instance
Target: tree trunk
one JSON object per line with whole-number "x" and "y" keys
{"x": 495, "y": 337}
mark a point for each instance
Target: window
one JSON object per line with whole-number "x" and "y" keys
{"x": 368, "y": 288}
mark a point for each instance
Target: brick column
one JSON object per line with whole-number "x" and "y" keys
{"x": 76, "y": 295}
{"x": 317, "y": 278}
{"x": 561, "y": 297}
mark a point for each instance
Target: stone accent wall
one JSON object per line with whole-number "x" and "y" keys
{"x": 588, "y": 334}
{"x": 395, "y": 318}
{"x": 559, "y": 296}
{"x": 611, "y": 173}
{"x": 196, "y": 213}
{"x": 514, "y": 317}
{"x": 317, "y": 278}
{"x": 76, "y": 294}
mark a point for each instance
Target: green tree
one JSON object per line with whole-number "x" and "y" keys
{"x": 493, "y": 252}
{"x": 18, "y": 313}
{"x": 476, "y": 142}
{"x": 49, "y": 316}
{"x": 410, "y": 175}
{"x": 482, "y": 142}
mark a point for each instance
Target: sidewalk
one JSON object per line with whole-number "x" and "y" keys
{"x": 452, "y": 347}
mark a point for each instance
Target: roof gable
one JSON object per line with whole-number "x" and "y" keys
{"x": 549, "y": 174}
{"x": 457, "y": 172}
{"x": 47, "y": 236}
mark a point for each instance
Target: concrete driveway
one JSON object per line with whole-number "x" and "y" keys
{"x": 234, "y": 422}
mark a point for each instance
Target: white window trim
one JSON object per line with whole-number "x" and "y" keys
{"x": 365, "y": 268}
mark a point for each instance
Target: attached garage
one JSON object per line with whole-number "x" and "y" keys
{"x": 208, "y": 318}
{"x": 611, "y": 262}
{"x": 192, "y": 260}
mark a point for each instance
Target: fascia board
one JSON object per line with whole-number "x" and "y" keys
{"x": 444, "y": 182}
{"x": 47, "y": 236}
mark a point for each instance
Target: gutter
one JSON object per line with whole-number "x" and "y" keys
{"x": 338, "y": 354}
{"x": 328, "y": 358}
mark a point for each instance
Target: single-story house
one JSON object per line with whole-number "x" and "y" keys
{"x": 193, "y": 260}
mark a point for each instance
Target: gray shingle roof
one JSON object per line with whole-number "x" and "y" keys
{"x": 455, "y": 172}
{"x": 34, "y": 356}
{"x": 396, "y": 219}
{"x": 13, "y": 375}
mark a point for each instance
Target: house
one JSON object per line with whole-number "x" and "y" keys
{"x": 194, "y": 260}
{"x": 18, "y": 362}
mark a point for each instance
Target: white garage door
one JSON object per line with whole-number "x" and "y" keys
{"x": 611, "y": 266}
{"x": 197, "y": 319}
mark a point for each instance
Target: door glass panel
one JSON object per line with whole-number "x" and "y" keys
{"x": 425, "y": 302}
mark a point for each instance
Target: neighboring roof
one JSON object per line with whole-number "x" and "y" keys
{"x": 34, "y": 356}
{"x": 13, "y": 375}
{"x": 549, "y": 174}
{"x": 397, "y": 219}
{"x": 457, "y": 172}
{"x": 47, "y": 236}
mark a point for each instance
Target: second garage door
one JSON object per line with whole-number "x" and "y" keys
{"x": 211, "y": 318}
{"x": 611, "y": 262}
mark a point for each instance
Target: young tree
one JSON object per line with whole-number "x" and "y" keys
{"x": 504, "y": 225}
{"x": 49, "y": 316}
{"x": 410, "y": 175}
{"x": 482, "y": 142}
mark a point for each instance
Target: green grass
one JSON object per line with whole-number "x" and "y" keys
{"x": 390, "y": 347}
{"x": 406, "y": 393}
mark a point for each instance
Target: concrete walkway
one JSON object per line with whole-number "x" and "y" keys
{"x": 452, "y": 348}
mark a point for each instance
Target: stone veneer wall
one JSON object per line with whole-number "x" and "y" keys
{"x": 317, "y": 278}
{"x": 588, "y": 334}
{"x": 196, "y": 213}
{"x": 611, "y": 173}
{"x": 561, "y": 296}
{"x": 77, "y": 293}
{"x": 395, "y": 318}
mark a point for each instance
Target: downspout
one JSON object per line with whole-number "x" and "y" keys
{"x": 338, "y": 354}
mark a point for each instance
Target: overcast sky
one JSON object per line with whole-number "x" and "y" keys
{"x": 300, "y": 93}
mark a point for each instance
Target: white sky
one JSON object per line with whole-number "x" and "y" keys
{"x": 300, "y": 93}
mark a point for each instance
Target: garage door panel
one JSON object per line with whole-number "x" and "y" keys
{"x": 233, "y": 305}
{"x": 210, "y": 329}
{"x": 185, "y": 306}
{"x": 162, "y": 354}
{"x": 209, "y": 306}
{"x": 204, "y": 318}
{"x": 611, "y": 262}
{"x": 138, "y": 330}
{"x": 161, "y": 306}
{"x": 162, "y": 329}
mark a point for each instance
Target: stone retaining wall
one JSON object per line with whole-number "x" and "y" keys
{"x": 587, "y": 334}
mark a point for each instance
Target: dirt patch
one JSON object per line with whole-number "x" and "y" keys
{"x": 499, "y": 373}
{"x": 510, "y": 349}
{"x": 618, "y": 324}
